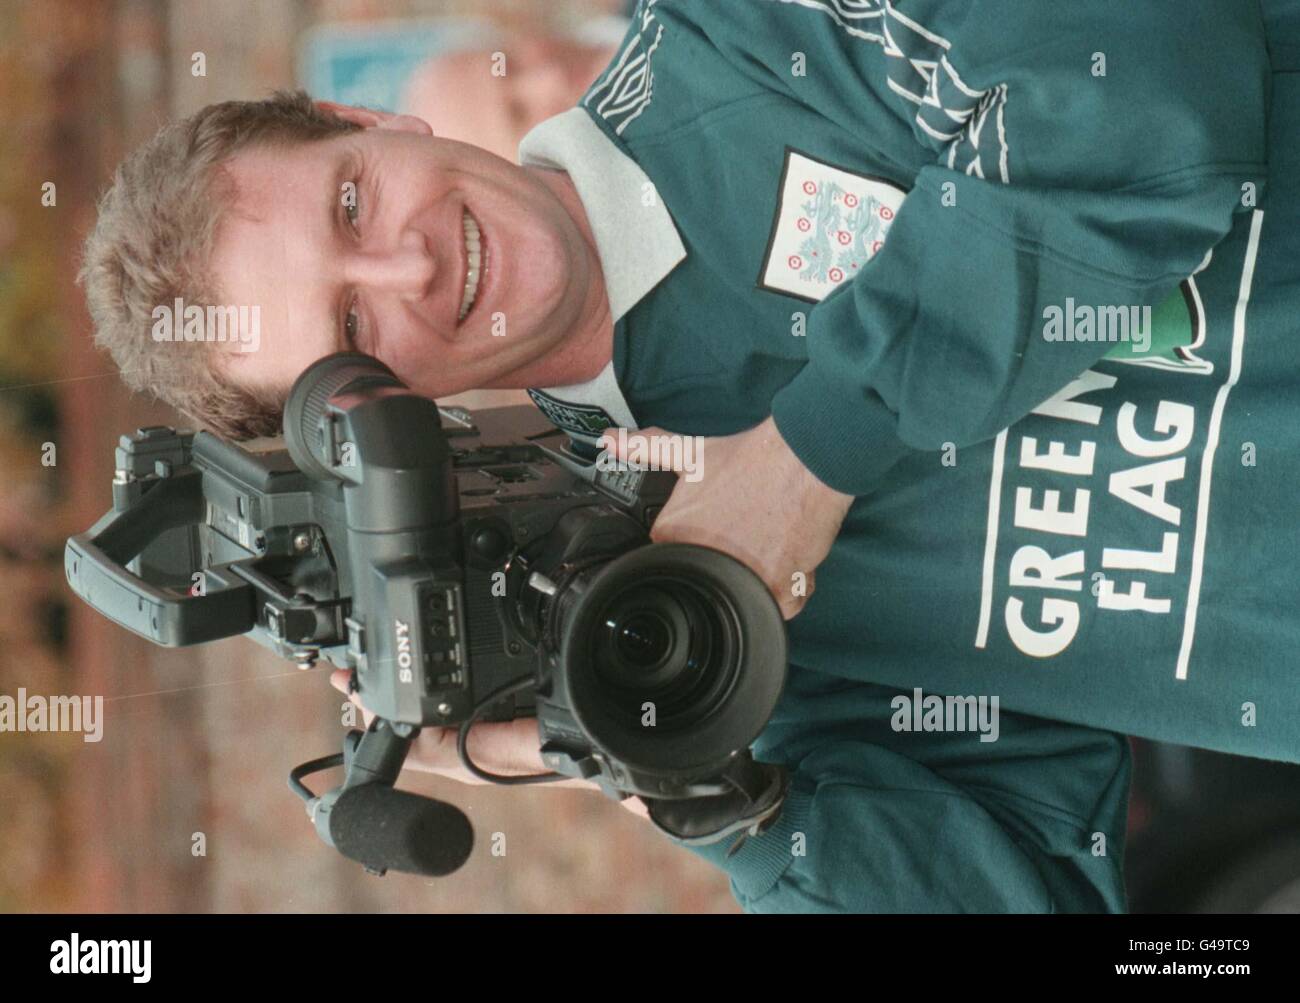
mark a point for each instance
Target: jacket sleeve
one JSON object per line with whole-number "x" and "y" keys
{"x": 1107, "y": 190}
{"x": 1033, "y": 822}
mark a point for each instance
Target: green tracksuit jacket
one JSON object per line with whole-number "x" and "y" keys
{"x": 1024, "y": 278}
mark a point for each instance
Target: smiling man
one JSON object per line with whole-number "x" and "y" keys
{"x": 830, "y": 238}
{"x": 458, "y": 268}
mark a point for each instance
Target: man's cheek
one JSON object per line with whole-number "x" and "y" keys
{"x": 250, "y": 329}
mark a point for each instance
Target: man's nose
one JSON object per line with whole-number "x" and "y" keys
{"x": 407, "y": 269}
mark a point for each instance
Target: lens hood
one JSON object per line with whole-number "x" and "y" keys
{"x": 740, "y": 676}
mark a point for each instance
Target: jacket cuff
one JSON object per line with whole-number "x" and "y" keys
{"x": 761, "y": 860}
{"x": 844, "y": 434}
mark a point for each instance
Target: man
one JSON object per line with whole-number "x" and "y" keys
{"x": 958, "y": 296}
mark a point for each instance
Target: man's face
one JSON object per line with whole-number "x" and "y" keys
{"x": 390, "y": 271}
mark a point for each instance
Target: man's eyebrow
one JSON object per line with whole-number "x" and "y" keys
{"x": 338, "y": 229}
{"x": 344, "y": 167}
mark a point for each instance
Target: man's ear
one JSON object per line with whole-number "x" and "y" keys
{"x": 368, "y": 118}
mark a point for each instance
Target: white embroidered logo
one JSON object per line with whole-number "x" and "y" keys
{"x": 968, "y": 122}
{"x": 627, "y": 87}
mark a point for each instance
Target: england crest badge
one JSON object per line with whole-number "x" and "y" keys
{"x": 829, "y": 223}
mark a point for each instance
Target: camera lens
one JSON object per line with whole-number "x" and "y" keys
{"x": 674, "y": 657}
{"x": 662, "y": 643}
{"x": 639, "y": 640}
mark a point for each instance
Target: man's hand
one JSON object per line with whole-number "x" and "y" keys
{"x": 511, "y": 748}
{"x": 754, "y": 500}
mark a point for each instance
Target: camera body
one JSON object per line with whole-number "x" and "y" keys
{"x": 465, "y": 567}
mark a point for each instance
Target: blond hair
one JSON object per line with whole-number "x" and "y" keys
{"x": 152, "y": 243}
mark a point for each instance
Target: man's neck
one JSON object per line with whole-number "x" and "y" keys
{"x": 582, "y": 353}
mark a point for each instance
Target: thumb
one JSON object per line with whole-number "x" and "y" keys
{"x": 629, "y": 445}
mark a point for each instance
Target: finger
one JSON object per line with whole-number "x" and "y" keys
{"x": 623, "y": 444}
{"x": 792, "y": 602}
{"x": 640, "y": 446}
{"x": 508, "y": 748}
{"x": 434, "y": 751}
{"x": 339, "y": 680}
{"x": 636, "y": 806}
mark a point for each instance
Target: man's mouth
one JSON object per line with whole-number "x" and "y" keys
{"x": 475, "y": 260}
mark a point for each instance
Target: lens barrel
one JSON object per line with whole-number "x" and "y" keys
{"x": 673, "y": 657}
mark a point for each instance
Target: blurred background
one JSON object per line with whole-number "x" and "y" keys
{"x": 200, "y": 740}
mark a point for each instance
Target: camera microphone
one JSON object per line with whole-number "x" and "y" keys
{"x": 385, "y": 829}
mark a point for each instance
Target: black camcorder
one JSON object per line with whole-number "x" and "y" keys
{"x": 465, "y": 568}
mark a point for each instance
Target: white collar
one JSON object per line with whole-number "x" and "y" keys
{"x": 636, "y": 240}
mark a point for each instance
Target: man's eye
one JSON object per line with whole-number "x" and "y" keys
{"x": 350, "y": 328}
{"x": 350, "y": 202}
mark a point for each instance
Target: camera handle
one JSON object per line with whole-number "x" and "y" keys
{"x": 96, "y": 568}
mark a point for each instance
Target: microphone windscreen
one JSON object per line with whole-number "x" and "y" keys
{"x": 387, "y": 829}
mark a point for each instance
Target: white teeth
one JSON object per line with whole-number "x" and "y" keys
{"x": 474, "y": 255}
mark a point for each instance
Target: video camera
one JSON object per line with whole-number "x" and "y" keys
{"x": 465, "y": 568}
